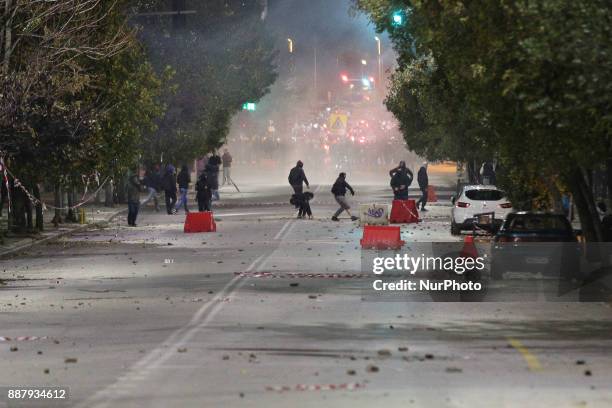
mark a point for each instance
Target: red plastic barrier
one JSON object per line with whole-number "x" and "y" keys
{"x": 469, "y": 248}
{"x": 200, "y": 222}
{"x": 431, "y": 194}
{"x": 404, "y": 212}
{"x": 381, "y": 237}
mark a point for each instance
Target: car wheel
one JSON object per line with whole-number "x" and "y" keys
{"x": 455, "y": 229}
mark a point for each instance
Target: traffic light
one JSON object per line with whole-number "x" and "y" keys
{"x": 398, "y": 18}
{"x": 248, "y": 106}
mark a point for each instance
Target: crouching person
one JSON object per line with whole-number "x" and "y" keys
{"x": 203, "y": 193}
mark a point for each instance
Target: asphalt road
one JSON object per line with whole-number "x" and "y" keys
{"x": 271, "y": 311}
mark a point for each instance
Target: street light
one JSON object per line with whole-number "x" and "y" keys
{"x": 380, "y": 63}
{"x": 290, "y": 41}
{"x": 364, "y": 62}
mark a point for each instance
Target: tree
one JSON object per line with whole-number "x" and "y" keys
{"x": 221, "y": 57}
{"x": 75, "y": 91}
{"x": 534, "y": 76}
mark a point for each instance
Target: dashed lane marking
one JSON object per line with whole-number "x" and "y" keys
{"x": 532, "y": 361}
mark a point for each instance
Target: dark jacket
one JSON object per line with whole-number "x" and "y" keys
{"x": 406, "y": 169}
{"x": 212, "y": 174}
{"x": 203, "y": 192}
{"x": 152, "y": 179}
{"x": 299, "y": 200}
{"x": 340, "y": 186}
{"x": 401, "y": 178}
{"x": 297, "y": 176}
{"x": 215, "y": 160}
{"x": 183, "y": 179}
{"x": 133, "y": 189}
{"x": 422, "y": 178}
{"x": 169, "y": 181}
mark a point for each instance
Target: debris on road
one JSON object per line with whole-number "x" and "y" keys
{"x": 371, "y": 368}
{"x": 70, "y": 360}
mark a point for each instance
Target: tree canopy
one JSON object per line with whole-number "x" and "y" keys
{"x": 525, "y": 82}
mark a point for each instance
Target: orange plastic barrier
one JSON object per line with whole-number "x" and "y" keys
{"x": 431, "y": 194}
{"x": 404, "y": 212}
{"x": 200, "y": 222}
{"x": 469, "y": 248}
{"x": 381, "y": 237}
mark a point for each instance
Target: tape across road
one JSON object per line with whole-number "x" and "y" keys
{"x": 316, "y": 387}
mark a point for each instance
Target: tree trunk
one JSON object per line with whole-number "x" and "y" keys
{"x": 472, "y": 168}
{"x": 8, "y": 36}
{"x": 585, "y": 204}
{"x": 27, "y": 204}
{"x": 70, "y": 215}
{"x": 121, "y": 186}
{"x": 57, "y": 203}
{"x": 108, "y": 194}
{"x": 18, "y": 214}
{"x": 39, "y": 211}
{"x": 609, "y": 182}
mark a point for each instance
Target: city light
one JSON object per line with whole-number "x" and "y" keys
{"x": 290, "y": 41}
{"x": 344, "y": 78}
{"x": 398, "y": 18}
{"x": 248, "y": 106}
{"x": 364, "y": 62}
{"x": 365, "y": 82}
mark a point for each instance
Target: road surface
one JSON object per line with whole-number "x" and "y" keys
{"x": 270, "y": 312}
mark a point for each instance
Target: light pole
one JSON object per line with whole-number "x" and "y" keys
{"x": 380, "y": 67}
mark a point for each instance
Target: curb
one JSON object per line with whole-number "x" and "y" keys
{"x": 99, "y": 224}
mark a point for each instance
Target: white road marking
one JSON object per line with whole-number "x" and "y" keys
{"x": 154, "y": 360}
{"x": 277, "y": 236}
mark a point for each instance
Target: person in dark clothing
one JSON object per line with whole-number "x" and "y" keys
{"x": 301, "y": 201}
{"x": 133, "y": 196}
{"x": 183, "y": 179}
{"x": 401, "y": 178}
{"x": 152, "y": 181}
{"x": 215, "y": 161}
{"x": 169, "y": 183}
{"x": 339, "y": 191}
{"x": 296, "y": 179}
{"x": 203, "y": 193}
{"x": 212, "y": 174}
{"x": 423, "y": 181}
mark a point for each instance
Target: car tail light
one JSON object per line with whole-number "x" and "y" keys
{"x": 461, "y": 204}
{"x": 505, "y": 205}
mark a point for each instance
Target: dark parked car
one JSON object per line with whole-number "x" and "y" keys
{"x": 536, "y": 243}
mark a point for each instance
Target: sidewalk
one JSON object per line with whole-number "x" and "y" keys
{"x": 95, "y": 216}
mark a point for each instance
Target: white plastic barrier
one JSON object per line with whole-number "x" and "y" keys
{"x": 373, "y": 214}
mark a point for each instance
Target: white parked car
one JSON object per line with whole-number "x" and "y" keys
{"x": 472, "y": 205}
